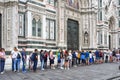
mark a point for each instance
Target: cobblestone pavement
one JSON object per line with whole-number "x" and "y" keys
{"x": 106, "y": 71}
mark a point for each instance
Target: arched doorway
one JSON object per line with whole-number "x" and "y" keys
{"x": 72, "y": 35}
{"x": 0, "y": 30}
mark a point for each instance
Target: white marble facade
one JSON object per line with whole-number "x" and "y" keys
{"x": 42, "y": 24}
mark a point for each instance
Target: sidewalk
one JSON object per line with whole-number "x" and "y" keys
{"x": 92, "y": 72}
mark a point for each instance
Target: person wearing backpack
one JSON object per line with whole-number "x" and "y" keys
{"x": 42, "y": 59}
{"x": 78, "y": 57}
{"x": 30, "y": 61}
{"x": 101, "y": 56}
{"x": 45, "y": 59}
{"x": 82, "y": 57}
{"x": 16, "y": 57}
{"x": 58, "y": 59}
{"x": 18, "y": 60}
{"x": 24, "y": 58}
{"x": 35, "y": 59}
{"x": 13, "y": 57}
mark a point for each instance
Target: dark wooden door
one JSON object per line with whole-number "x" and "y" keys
{"x": 72, "y": 35}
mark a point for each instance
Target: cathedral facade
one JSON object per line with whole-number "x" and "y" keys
{"x": 54, "y": 24}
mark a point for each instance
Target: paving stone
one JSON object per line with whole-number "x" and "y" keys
{"x": 92, "y": 72}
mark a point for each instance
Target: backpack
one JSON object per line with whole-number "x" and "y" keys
{"x": 18, "y": 56}
{"x": 78, "y": 55}
{"x": 101, "y": 54}
{"x": 32, "y": 57}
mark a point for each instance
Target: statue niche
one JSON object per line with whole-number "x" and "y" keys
{"x": 86, "y": 37}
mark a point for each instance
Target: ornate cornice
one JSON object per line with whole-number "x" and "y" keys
{"x": 36, "y": 3}
{"x": 1, "y": 4}
{"x": 10, "y": 3}
{"x": 72, "y": 9}
{"x": 22, "y": 8}
{"x": 88, "y": 10}
{"x": 35, "y": 8}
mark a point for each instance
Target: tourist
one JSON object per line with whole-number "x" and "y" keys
{"x": 101, "y": 56}
{"x": 114, "y": 55}
{"x": 83, "y": 57}
{"x": 42, "y": 59}
{"x": 74, "y": 59}
{"x": 13, "y": 56}
{"x": 87, "y": 57}
{"x": 16, "y": 56}
{"x": 34, "y": 58}
{"x": 31, "y": 61}
{"x": 52, "y": 60}
{"x": 62, "y": 59}
{"x": 78, "y": 57}
{"x": 2, "y": 60}
{"x": 70, "y": 58}
{"x": 58, "y": 59}
{"x": 24, "y": 58}
{"x": 90, "y": 57}
{"x": 66, "y": 60}
{"x": 45, "y": 59}
{"x": 97, "y": 56}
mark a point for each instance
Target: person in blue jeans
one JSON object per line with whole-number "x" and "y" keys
{"x": 87, "y": 57}
{"x": 74, "y": 58}
{"x": 97, "y": 56}
{"x": 35, "y": 59}
{"x": 58, "y": 59}
{"x": 83, "y": 57}
{"x": 18, "y": 63}
{"x": 16, "y": 55}
{"x": 2, "y": 60}
{"x": 13, "y": 57}
{"x": 24, "y": 58}
{"x": 42, "y": 59}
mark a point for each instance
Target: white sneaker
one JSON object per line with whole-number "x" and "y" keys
{"x": 65, "y": 68}
{"x": 68, "y": 68}
{"x": 53, "y": 68}
{"x": 61, "y": 68}
{"x": 43, "y": 69}
{"x": 2, "y": 72}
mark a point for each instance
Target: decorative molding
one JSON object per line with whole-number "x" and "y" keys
{"x": 36, "y": 3}
{"x": 37, "y": 17}
{"x": 10, "y": 3}
{"x": 21, "y": 8}
{"x": 36, "y": 9}
{"x": 1, "y": 3}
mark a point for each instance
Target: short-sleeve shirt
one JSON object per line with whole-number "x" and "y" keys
{"x": 14, "y": 54}
{"x": 2, "y": 54}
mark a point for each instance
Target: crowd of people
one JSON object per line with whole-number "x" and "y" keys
{"x": 65, "y": 58}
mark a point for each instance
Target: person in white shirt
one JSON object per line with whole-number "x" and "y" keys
{"x": 15, "y": 55}
{"x": 70, "y": 58}
{"x": 90, "y": 56}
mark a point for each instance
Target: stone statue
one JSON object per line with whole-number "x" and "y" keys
{"x": 86, "y": 37}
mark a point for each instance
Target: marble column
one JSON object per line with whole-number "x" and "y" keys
{"x": 29, "y": 24}
{"x": 44, "y": 27}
